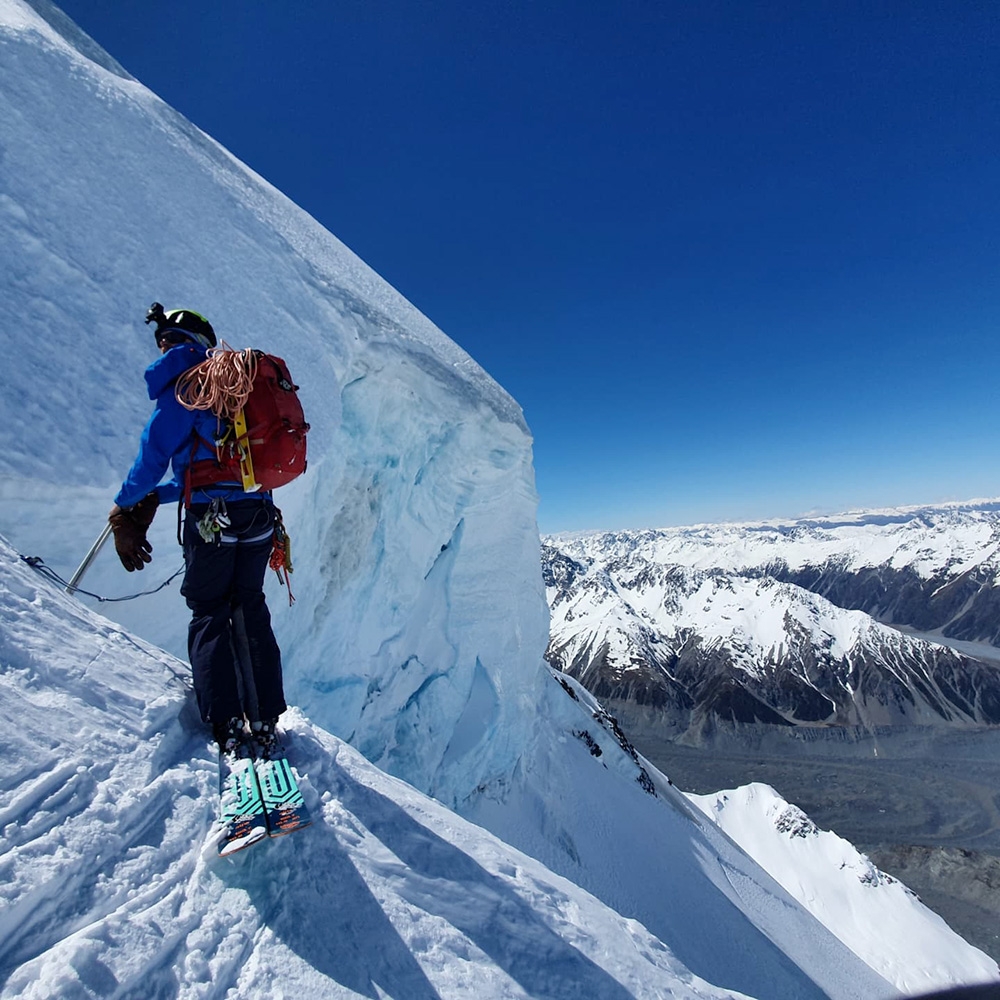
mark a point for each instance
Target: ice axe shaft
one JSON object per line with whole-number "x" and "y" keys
{"x": 74, "y": 580}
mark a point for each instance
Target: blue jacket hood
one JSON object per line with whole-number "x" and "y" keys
{"x": 167, "y": 368}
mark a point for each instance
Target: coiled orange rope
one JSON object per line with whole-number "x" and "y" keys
{"x": 221, "y": 383}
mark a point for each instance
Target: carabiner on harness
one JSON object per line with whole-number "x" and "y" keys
{"x": 213, "y": 521}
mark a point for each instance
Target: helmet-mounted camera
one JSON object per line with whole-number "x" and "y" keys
{"x": 155, "y": 314}
{"x": 180, "y": 325}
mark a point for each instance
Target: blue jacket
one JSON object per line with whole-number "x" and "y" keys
{"x": 168, "y": 437}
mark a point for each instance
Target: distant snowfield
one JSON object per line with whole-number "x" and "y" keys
{"x": 803, "y": 622}
{"x": 417, "y": 639}
{"x": 899, "y": 537}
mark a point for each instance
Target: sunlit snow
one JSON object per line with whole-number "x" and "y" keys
{"x": 414, "y": 653}
{"x": 846, "y": 891}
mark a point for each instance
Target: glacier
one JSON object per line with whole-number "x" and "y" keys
{"x": 414, "y": 652}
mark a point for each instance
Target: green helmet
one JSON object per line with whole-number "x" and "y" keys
{"x": 191, "y": 324}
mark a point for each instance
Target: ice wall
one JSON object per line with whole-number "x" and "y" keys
{"x": 420, "y": 623}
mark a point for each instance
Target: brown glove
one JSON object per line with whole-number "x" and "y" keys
{"x": 129, "y": 525}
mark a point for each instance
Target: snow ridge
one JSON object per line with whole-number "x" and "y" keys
{"x": 845, "y": 890}
{"x": 110, "y": 886}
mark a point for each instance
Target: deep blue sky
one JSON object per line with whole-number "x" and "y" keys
{"x": 733, "y": 259}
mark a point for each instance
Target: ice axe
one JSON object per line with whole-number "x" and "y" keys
{"x": 74, "y": 580}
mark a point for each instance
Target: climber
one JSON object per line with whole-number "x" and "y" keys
{"x": 227, "y": 538}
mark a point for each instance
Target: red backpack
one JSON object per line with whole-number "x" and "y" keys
{"x": 265, "y": 444}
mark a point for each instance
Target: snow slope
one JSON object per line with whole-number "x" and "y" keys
{"x": 109, "y": 885}
{"x": 846, "y": 891}
{"x": 417, "y": 638}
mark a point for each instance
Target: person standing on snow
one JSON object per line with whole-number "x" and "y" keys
{"x": 227, "y": 541}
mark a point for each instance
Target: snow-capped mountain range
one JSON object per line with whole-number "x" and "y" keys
{"x": 785, "y": 622}
{"x": 483, "y": 828}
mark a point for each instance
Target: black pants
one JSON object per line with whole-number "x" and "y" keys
{"x": 230, "y": 622}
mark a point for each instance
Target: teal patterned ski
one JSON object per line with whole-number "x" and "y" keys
{"x": 242, "y": 813}
{"x": 283, "y": 804}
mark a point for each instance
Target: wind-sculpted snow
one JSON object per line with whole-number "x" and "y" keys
{"x": 420, "y": 622}
{"x": 956, "y": 536}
